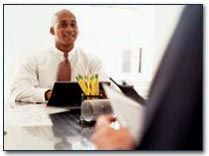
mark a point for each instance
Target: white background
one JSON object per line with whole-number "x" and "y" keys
{"x": 104, "y": 30}
{"x": 113, "y": 153}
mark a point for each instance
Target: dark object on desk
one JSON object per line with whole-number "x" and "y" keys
{"x": 68, "y": 94}
{"x": 130, "y": 92}
{"x": 65, "y": 94}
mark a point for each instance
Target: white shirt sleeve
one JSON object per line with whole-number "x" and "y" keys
{"x": 25, "y": 86}
{"x": 96, "y": 67}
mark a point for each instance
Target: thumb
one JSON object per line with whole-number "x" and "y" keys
{"x": 104, "y": 120}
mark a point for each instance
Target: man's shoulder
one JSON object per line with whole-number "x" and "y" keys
{"x": 35, "y": 56}
{"x": 38, "y": 55}
{"x": 87, "y": 55}
{"x": 42, "y": 53}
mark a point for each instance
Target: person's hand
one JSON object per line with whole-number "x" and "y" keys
{"x": 48, "y": 94}
{"x": 107, "y": 138}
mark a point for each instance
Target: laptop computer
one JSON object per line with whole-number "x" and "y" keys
{"x": 65, "y": 94}
{"x": 68, "y": 94}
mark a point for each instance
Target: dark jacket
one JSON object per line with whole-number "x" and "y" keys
{"x": 174, "y": 119}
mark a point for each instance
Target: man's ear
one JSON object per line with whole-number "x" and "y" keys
{"x": 52, "y": 30}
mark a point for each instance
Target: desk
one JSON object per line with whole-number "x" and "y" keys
{"x": 35, "y": 127}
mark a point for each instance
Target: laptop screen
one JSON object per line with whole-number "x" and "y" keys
{"x": 68, "y": 94}
{"x": 65, "y": 94}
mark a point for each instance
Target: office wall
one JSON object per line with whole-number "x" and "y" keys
{"x": 166, "y": 19}
{"x": 114, "y": 33}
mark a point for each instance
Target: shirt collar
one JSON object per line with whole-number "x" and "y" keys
{"x": 59, "y": 53}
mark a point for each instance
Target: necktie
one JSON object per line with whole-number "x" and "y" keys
{"x": 64, "y": 70}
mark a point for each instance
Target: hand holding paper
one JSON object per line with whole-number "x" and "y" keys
{"x": 129, "y": 113}
{"x": 107, "y": 138}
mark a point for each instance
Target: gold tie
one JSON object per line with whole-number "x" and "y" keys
{"x": 64, "y": 70}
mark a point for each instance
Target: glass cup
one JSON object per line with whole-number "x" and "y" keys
{"x": 91, "y": 109}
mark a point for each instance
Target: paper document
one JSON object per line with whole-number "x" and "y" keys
{"x": 128, "y": 112}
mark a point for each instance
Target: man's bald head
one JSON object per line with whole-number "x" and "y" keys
{"x": 64, "y": 29}
{"x": 60, "y": 13}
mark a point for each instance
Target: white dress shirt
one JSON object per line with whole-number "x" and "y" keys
{"x": 38, "y": 73}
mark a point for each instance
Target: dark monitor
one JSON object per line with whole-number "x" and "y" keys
{"x": 65, "y": 94}
{"x": 68, "y": 94}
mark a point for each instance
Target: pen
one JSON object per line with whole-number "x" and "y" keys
{"x": 82, "y": 84}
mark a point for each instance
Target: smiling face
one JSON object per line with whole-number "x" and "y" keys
{"x": 65, "y": 31}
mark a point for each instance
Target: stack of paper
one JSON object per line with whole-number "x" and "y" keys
{"x": 128, "y": 112}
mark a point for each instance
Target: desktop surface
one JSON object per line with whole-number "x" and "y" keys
{"x": 60, "y": 131}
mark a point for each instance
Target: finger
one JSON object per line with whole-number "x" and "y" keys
{"x": 104, "y": 120}
{"x": 100, "y": 135}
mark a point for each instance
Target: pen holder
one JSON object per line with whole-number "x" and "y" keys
{"x": 93, "y": 97}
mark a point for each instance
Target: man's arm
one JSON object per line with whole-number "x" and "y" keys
{"x": 25, "y": 86}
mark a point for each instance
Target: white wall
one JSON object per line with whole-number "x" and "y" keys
{"x": 166, "y": 19}
{"x": 106, "y": 31}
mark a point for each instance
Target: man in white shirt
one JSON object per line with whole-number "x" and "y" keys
{"x": 35, "y": 78}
